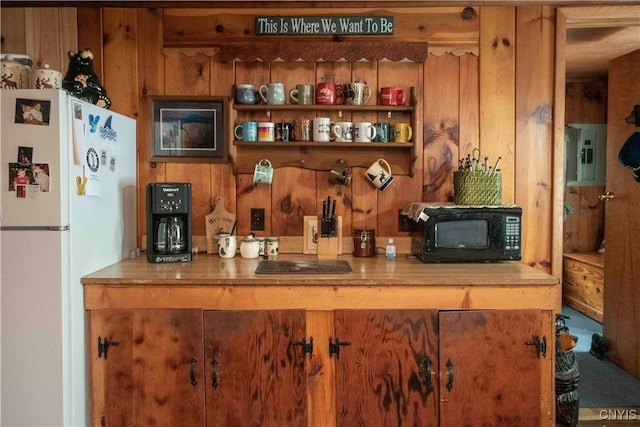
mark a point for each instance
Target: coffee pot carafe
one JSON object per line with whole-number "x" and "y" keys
{"x": 168, "y": 222}
{"x": 170, "y": 235}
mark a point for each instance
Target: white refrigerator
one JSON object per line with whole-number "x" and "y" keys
{"x": 68, "y": 208}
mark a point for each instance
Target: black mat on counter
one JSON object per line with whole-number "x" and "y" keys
{"x": 303, "y": 267}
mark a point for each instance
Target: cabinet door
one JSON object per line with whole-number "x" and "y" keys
{"x": 255, "y": 375}
{"x": 152, "y": 372}
{"x": 489, "y": 376}
{"x": 386, "y": 376}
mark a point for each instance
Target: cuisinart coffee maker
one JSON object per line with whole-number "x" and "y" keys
{"x": 168, "y": 222}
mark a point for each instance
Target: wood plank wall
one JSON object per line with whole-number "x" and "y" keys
{"x": 585, "y": 102}
{"x": 498, "y": 101}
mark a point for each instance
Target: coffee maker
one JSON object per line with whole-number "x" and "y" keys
{"x": 168, "y": 222}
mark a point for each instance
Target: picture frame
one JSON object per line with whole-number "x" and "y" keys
{"x": 189, "y": 129}
{"x": 310, "y": 235}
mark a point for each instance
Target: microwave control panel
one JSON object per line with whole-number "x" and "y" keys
{"x": 512, "y": 233}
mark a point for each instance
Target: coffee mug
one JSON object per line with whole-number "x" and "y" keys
{"x": 322, "y": 129}
{"x": 392, "y": 96}
{"x": 383, "y": 132}
{"x": 272, "y": 93}
{"x": 342, "y": 131}
{"x": 284, "y": 132}
{"x": 403, "y": 132}
{"x": 340, "y": 173}
{"x": 272, "y": 247}
{"x": 329, "y": 93}
{"x": 227, "y": 245}
{"x": 363, "y": 132}
{"x": 356, "y": 93}
{"x": 302, "y": 130}
{"x": 266, "y": 131}
{"x": 263, "y": 172}
{"x": 379, "y": 174}
{"x": 246, "y": 94}
{"x": 248, "y": 131}
{"x": 302, "y": 94}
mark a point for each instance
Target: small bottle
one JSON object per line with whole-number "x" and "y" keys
{"x": 390, "y": 249}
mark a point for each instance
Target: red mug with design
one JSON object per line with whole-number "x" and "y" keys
{"x": 329, "y": 93}
{"x": 392, "y": 96}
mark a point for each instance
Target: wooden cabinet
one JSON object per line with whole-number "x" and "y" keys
{"x": 322, "y": 155}
{"x": 147, "y": 368}
{"x": 387, "y": 367}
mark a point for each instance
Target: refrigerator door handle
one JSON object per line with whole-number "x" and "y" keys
{"x": 34, "y": 228}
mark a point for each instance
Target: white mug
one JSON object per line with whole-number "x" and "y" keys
{"x": 322, "y": 129}
{"x": 266, "y": 131}
{"x": 342, "y": 131}
{"x": 364, "y": 132}
{"x": 379, "y": 174}
{"x": 263, "y": 172}
{"x": 227, "y": 245}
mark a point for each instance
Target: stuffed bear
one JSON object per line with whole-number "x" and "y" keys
{"x": 82, "y": 82}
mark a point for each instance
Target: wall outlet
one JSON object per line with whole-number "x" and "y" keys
{"x": 257, "y": 219}
{"x": 404, "y": 222}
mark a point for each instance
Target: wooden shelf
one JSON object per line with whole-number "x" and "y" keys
{"x": 322, "y": 156}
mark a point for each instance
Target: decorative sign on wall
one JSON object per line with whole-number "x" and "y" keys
{"x": 323, "y": 25}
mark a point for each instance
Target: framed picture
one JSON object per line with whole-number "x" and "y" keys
{"x": 310, "y": 235}
{"x": 189, "y": 129}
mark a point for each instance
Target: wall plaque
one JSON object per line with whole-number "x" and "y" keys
{"x": 323, "y": 25}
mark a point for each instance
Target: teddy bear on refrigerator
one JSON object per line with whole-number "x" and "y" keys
{"x": 81, "y": 80}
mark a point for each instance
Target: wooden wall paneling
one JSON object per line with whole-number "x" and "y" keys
{"x": 469, "y": 119}
{"x": 440, "y": 128}
{"x": 50, "y": 34}
{"x": 594, "y": 104}
{"x": 364, "y": 202}
{"x": 190, "y": 75}
{"x": 405, "y": 189}
{"x": 497, "y": 91}
{"x": 573, "y": 102}
{"x": 443, "y": 25}
{"x": 119, "y": 53}
{"x": 12, "y": 20}
{"x": 150, "y": 67}
{"x": 534, "y": 131}
{"x": 571, "y": 224}
{"x": 90, "y": 36}
{"x": 250, "y": 196}
{"x": 222, "y": 180}
{"x": 293, "y": 195}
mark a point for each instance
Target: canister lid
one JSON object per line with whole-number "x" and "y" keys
{"x": 17, "y": 57}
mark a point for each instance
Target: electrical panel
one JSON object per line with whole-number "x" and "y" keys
{"x": 585, "y": 154}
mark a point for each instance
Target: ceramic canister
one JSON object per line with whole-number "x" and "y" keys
{"x": 364, "y": 242}
{"x": 46, "y": 78}
{"x": 16, "y": 72}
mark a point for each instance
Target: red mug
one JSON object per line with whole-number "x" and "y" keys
{"x": 392, "y": 96}
{"x": 329, "y": 93}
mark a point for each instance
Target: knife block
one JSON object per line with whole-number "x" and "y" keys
{"x": 327, "y": 248}
{"x": 330, "y": 247}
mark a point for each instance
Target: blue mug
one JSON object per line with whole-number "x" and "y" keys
{"x": 246, "y": 94}
{"x": 248, "y": 131}
{"x": 383, "y": 132}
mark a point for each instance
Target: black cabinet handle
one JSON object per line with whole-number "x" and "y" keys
{"x": 215, "y": 381}
{"x": 192, "y": 372}
{"x": 450, "y": 375}
{"x": 424, "y": 367}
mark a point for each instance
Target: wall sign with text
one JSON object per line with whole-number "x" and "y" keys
{"x": 323, "y": 25}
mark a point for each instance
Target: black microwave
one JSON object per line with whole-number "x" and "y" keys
{"x": 467, "y": 234}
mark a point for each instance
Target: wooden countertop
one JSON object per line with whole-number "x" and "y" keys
{"x": 207, "y": 270}
{"x": 211, "y": 282}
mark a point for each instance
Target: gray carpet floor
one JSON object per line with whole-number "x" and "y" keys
{"x": 602, "y": 384}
